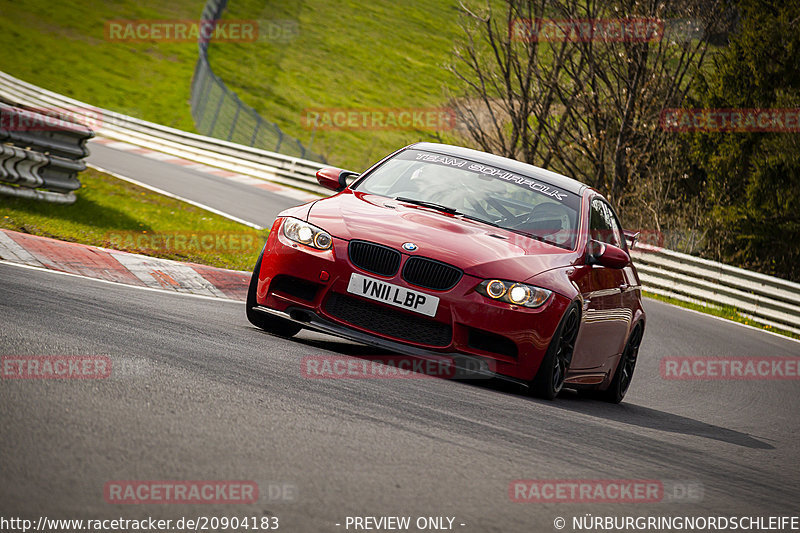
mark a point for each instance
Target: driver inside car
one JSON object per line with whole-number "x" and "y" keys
{"x": 440, "y": 185}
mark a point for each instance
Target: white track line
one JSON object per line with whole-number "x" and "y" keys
{"x": 175, "y": 196}
{"x": 725, "y": 320}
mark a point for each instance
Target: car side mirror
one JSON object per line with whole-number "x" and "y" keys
{"x": 607, "y": 255}
{"x": 631, "y": 238}
{"x": 334, "y": 178}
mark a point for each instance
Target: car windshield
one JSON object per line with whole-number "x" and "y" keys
{"x": 479, "y": 192}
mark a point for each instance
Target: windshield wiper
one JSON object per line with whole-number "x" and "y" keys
{"x": 482, "y": 221}
{"x": 423, "y": 203}
{"x": 512, "y": 230}
{"x": 448, "y": 210}
{"x": 454, "y": 211}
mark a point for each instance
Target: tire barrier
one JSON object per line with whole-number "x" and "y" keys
{"x": 253, "y": 162}
{"x": 41, "y": 154}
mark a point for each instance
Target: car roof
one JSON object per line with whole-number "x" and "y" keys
{"x": 551, "y": 178}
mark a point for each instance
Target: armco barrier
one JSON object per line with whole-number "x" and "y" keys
{"x": 41, "y": 154}
{"x": 763, "y": 298}
{"x": 766, "y": 299}
{"x": 254, "y": 162}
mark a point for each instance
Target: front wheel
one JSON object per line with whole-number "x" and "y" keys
{"x": 270, "y": 324}
{"x": 552, "y": 372}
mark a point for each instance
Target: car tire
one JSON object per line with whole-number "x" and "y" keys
{"x": 624, "y": 374}
{"x": 270, "y": 324}
{"x": 549, "y": 379}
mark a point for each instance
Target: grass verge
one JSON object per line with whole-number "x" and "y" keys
{"x": 119, "y": 215}
{"x": 726, "y": 312}
{"x": 344, "y": 55}
{"x": 62, "y": 46}
{"x": 378, "y": 54}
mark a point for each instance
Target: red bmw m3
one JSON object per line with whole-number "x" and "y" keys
{"x": 514, "y": 271}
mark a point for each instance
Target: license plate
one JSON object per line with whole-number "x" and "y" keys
{"x": 391, "y": 294}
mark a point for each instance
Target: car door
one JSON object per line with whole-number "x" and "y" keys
{"x": 604, "y": 321}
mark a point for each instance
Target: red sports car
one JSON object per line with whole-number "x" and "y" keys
{"x": 439, "y": 251}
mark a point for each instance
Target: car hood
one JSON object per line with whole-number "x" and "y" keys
{"x": 478, "y": 249}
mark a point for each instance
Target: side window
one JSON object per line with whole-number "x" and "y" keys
{"x": 603, "y": 225}
{"x": 599, "y": 230}
{"x": 616, "y": 229}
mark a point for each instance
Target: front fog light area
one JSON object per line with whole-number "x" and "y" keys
{"x": 513, "y": 293}
{"x": 308, "y": 234}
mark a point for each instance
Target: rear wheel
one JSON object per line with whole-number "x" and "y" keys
{"x": 552, "y": 372}
{"x": 269, "y": 323}
{"x": 624, "y": 374}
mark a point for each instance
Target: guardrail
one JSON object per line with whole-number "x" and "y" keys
{"x": 254, "y": 162}
{"x": 41, "y": 154}
{"x": 765, "y": 299}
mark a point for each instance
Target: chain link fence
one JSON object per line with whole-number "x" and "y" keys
{"x": 218, "y": 112}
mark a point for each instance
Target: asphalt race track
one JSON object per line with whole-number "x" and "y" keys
{"x": 248, "y": 203}
{"x": 196, "y": 393}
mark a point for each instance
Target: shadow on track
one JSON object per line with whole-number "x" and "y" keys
{"x": 636, "y": 415}
{"x": 569, "y": 400}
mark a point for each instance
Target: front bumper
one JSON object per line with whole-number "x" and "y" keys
{"x": 469, "y": 366}
{"x": 309, "y": 286}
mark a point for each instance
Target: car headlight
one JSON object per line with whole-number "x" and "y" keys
{"x": 308, "y": 234}
{"x": 514, "y": 293}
